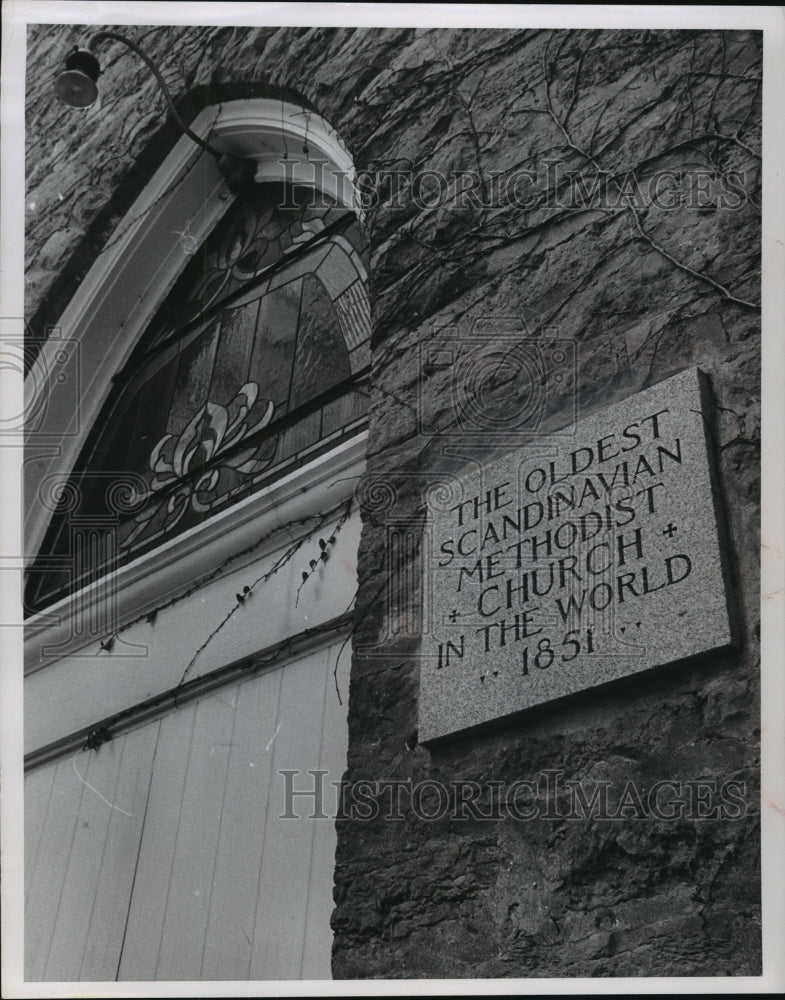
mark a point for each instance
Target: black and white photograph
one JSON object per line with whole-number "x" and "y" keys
{"x": 392, "y": 546}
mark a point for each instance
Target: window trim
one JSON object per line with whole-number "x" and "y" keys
{"x": 109, "y": 313}
{"x": 126, "y": 284}
{"x": 171, "y": 568}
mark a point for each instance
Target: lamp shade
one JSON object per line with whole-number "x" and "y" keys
{"x": 76, "y": 85}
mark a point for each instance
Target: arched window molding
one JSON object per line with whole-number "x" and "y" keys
{"x": 115, "y": 303}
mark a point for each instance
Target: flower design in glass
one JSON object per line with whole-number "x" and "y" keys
{"x": 255, "y": 363}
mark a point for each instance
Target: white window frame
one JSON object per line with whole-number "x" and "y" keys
{"x": 114, "y": 304}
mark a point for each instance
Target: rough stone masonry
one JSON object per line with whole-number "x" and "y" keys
{"x": 604, "y": 185}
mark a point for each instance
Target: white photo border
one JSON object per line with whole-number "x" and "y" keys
{"x": 17, "y": 14}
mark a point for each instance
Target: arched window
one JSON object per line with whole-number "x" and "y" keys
{"x": 223, "y": 347}
{"x": 255, "y": 362}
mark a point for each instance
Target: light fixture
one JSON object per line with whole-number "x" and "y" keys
{"x": 77, "y": 86}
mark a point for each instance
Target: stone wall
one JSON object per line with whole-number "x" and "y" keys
{"x": 646, "y": 287}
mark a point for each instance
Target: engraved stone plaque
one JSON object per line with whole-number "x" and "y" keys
{"x": 577, "y": 560}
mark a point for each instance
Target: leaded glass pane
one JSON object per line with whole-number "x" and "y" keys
{"x": 276, "y": 333}
{"x": 321, "y": 359}
{"x": 268, "y": 222}
{"x": 249, "y": 368}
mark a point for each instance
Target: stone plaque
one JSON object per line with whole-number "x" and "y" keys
{"x": 575, "y": 561}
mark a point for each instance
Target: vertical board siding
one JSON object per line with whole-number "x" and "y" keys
{"x": 51, "y": 863}
{"x": 103, "y": 946}
{"x": 101, "y": 769}
{"x": 282, "y": 898}
{"x": 163, "y": 855}
{"x": 317, "y": 952}
{"x": 156, "y": 854}
{"x": 81, "y": 878}
{"x": 188, "y": 898}
{"x": 230, "y": 929}
{"x": 38, "y": 790}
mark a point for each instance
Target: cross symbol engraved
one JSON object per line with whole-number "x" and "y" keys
{"x": 453, "y": 615}
{"x": 670, "y": 530}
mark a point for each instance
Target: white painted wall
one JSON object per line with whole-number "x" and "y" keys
{"x": 162, "y": 854}
{"x": 150, "y": 658}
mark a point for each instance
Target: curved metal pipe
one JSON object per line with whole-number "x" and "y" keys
{"x": 114, "y": 36}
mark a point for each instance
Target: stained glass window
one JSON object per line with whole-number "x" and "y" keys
{"x": 255, "y": 363}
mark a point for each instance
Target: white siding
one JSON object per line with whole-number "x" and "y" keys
{"x": 156, "y": 855}
{"x": 148, "y": 659}
{"x": 162, "y": 855}
{"x": 249, "y": 789}
{"x": 81, "y": 874}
